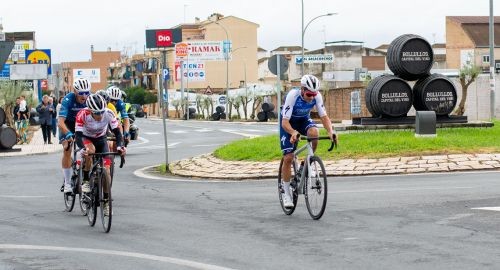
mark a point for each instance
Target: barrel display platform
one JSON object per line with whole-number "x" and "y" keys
{"x": 407, "y": 120}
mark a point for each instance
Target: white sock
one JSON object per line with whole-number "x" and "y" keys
{"x": 286, "y": 186}
{"x": 67, "y": 175}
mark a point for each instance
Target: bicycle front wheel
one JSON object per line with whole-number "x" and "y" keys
{"x": 316, "y": 188}
{"x": 93, "y": 201}
{"x": 281, "y": 190}
{"x": 69, "y": 201}
{"x": 106, "y": 214}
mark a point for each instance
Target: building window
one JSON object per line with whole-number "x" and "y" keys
{"x": 486, "y": 59}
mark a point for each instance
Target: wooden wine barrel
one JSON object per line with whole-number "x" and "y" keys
{"x": 435, "y": 93}
{"x": 410, "y": 57}
{"x": 262, "y": 116}
{"x": 2, "y": 116}
{"x": 220, "y": 109}
{"x": 267, "y": 106}
{"x": 216, "y": 116}
{"x": 388, "y": 96}
{"x": 8, "y": 137}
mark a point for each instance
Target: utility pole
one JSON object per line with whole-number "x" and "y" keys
{"x": 164, "y": 105}
{"x": 492, "y": 62}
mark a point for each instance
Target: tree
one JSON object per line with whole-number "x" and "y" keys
{"x": 137, "y": 95}
{"x": 467, "y": 76}
{"x": 237, "y": 101}
{"x": 9, "y": 91}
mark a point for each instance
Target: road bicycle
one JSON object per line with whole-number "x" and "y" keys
{"x": 76, "y": 176}
{"x": 308, "y": 178}
{"x": 95, "y": 198}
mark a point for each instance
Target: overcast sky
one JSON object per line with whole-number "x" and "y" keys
{"x": 68, "y": 28}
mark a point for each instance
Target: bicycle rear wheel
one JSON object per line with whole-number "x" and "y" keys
{"x": 316, "y": 189}
{"x": 93, "y": 201}
{"x": 81, "y": 198}
{"x": 105, "y": 219}
{"x": 281, "y": 190}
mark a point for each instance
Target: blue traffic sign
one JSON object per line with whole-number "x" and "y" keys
{"x": 166, "y": 74}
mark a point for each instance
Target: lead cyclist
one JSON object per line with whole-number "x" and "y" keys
{"x": 295, "y": 119}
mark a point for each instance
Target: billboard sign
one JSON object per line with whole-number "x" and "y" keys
{"x": 162, "y": 38}
{"x": 28, "y": 72}
{"x": 39, "y": 57}
{"x": 201, "y": 50}
{"x": 91, "y": 74}
{"x": 314, "y": 59}
{"x": 18, "y": 53}
{"x": 194, "y": 71}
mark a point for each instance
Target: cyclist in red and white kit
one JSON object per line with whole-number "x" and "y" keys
{"x": 91, "y": 127}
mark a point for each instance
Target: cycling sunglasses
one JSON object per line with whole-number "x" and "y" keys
{"x": 98, "y": 113}
{"x": 85, "y": 93}
{"x": 310, "y": 94}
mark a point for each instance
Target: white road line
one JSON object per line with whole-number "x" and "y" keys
{"x": 157, "y": 146}
{"x": 204, "y": 130}
{"x": 179, "y": 131}
{"x": 239, "y": 133}
{"x": 21, "y": 197}
{"x": 143, "y": 141}
{"x": 151, "y": 133}
{"x": 487, "y": 208}
{"x": 171, "y": 260}
{"x": 205, "y": 145}
{"x": 396, "y": 189}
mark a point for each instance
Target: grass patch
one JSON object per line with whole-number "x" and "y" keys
{"x": 375, "y": 144}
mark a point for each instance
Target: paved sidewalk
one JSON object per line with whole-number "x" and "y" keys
{"x": 208, "y": 166}
{"x": 35, "y": 146}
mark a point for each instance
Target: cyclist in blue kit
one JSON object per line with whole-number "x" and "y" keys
{"x": 71, "y": 104}
{"x": 295, "y": 119}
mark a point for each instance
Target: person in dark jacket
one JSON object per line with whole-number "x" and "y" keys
{"x": 45, "y": 111}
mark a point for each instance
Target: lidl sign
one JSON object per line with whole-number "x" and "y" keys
{"x": 39, "y": 57}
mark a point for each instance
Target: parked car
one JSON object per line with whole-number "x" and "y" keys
{"x": 137, "y": 110}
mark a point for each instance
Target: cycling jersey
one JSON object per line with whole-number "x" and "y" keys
{"x": 70, "y": 107}
{"x": 297, "y": 111}
{"x": 120, "y": 107}
{"x": 92, "y": 128}
{"x": 296, "y": 107}
{"x": 113, "y": 109}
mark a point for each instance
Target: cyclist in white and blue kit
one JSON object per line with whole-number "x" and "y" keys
{"x": 70, "y": 106}
{"x": 295, "y": 119}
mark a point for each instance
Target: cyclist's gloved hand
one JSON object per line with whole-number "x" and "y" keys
{"x": 122, "y": 150}
{"x": 69, "y": 135}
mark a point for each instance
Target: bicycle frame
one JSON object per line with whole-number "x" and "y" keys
{"x": 307, "y": 162}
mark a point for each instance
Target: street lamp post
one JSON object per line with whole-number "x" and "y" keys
{"x": 226, "y": 55}
{"x": 304, "y": 31}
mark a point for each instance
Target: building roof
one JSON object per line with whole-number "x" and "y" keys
{"x": 288, "y": 49}
{"x": 383, "y": 47}
{"x": 477, "y": 28}
{"x": 439, "y": 45}
{"x": 263, "y": 59}
{"x": 260, "y": 49}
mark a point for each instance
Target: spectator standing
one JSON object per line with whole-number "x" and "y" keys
{"x": 23, "y": 116}
{"x": 54, "y": 115}
{"x": 45, "y": 111}
{"x": 15, "y": 111}
{"x": 145, "y": 109}
{"x": 58, "y": 107}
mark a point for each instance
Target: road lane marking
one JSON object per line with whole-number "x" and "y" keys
{"x": 171, "y": 260}
{"x": 497, "y": 208}
{"x": 21, "y": 197}
{"x": 397, "y": 189}
{"x": 151, "y": 133}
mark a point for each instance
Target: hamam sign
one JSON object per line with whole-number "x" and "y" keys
{"x": 200, "y": 51}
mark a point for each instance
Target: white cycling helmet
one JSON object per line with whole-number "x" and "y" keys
{"x": 310, "y": 82}
{"x": 82, "y": 85}
{"x": 114, "y": 93}
{"x": 96, "y": 103}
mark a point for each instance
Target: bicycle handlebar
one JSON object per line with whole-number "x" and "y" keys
{"x": 333, "y": 143}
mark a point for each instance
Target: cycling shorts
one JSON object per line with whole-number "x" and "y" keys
{"x": 301, "y": 124}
